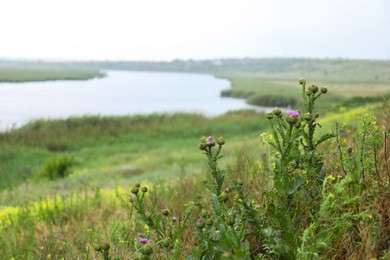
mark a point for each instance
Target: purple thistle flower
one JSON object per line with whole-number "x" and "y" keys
{"x": 200, "y": 220}
{"x": 209, "y": 139}
{"x": 143, "y": 240}
{"x": 292, "y": 113}
{"x": 174, "y": 219}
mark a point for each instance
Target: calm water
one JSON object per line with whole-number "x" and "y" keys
{"x": 120, "y": 93}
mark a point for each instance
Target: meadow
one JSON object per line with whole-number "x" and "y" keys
{"x": 151, "y": 187}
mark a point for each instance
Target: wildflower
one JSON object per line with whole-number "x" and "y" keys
{"x": 143, "y": 240}
{"x": 200, "y": 223}
{"x": 105, "y": 246}
{"x": 174, "y": 219}
{"x": 292, "y": 113}
{"x": 144, "y": 189}
{"x": 210, "y": 141}
{"x": 324, "y": 90}
{"x": 292, "y": 117}
{"x": 302, "y": 81}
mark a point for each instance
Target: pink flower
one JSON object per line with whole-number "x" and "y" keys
{"x": 209, "y": 139}
{"x": 174, "y": 219}
{"x": 200, "y": 220}
{"x": 292, "y": 113}
{"x": 143, "y": 240}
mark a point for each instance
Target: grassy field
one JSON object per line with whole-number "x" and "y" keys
{"x": 45, "y": 74}
{"x": 96, "y": 161}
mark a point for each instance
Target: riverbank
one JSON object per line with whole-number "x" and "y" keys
{"x": 16, "y": 75}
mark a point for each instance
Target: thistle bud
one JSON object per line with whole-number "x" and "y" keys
{"x": 144, "y": 189}
{"x": 105, "y": 247}
{"x": 223, "y": 197}
{"x": 202, "y": 146}
{"x": 292, "y": 120}
{"x": 146, "y": 250}
{"x": 135, "y": 190}
{"x": 200, "y": 224}
{"x": 313, "y": 88}
{"x": 166, "y": 243}
{"x": 324, "y": 90}
{"x": 231, "y": 220}
{"x": 307, "y": 117}
{"x": 220, "y": 141}
{"x": 277, "y": 111}
{"x": 165, "y": 212}
{"x": 210, "y": 141}
{"x": 269, "y": 116}
{"x": 137, "y": 185}
{"x": 302, "y": 81}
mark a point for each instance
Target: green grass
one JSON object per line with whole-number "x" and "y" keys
{"x": 108, "y": 150}
{"x": 344, "y": 79}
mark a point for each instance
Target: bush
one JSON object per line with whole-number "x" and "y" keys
{"x": 58, "y": 167}
{"x": 271, "y": 100}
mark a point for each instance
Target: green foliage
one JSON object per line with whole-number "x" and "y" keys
{"x": 271, "y": 100}
{"x": 58, "y": 167}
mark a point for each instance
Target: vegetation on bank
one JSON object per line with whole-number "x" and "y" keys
{"x": 138, "y": 186}
{"x": 19, "y": 74}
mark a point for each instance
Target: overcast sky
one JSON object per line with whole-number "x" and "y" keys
{"x": 197, "y": 29}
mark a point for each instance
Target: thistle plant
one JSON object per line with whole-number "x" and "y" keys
{"x": 297, "y": 172}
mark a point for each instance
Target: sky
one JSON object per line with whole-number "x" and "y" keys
{"x": 194, "y": 29}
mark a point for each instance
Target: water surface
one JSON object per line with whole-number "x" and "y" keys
{"x": 120, "y": 93}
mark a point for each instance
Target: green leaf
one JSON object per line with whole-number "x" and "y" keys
{"x": 324, "y": 138}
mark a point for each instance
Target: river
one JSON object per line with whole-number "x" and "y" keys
{"x": 120, "y": 93}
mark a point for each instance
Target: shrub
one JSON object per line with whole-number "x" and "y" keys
{"x": 58, "y": 167}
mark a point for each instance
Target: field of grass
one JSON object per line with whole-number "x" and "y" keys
{"x": 345, "y": 79}
{"x": 92, "y": 200}
{"x": 44, "y": 74}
